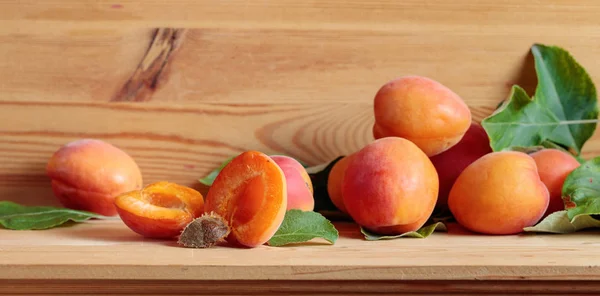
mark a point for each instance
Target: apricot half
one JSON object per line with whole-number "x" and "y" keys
{"x": 499, "y": 193}
{"x": 87, "y": 174}
{"x": 390, "y": 186}
{"x": 553, "y": 167}
{"x": 421, "y": 110}
{"x": 159, "y": 210}
{"x": 250, "y": 195}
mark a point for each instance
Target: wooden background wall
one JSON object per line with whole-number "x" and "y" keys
{"x": 181, "y": 85}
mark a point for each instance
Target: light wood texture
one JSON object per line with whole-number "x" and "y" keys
{"x": 279, "y": 76}
{"x": 108, "y": 250}
{"x": 181, "y": 85}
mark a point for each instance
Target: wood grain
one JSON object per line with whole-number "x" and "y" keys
{"x": 108, "y": 250}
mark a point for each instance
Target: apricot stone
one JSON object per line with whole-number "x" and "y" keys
{"x": 299, "y": 185}
{"x": 88, "y": 174}
{"x": 499, "y": 193}
{"x": 553, "y": 167}
{"x": 450, "y": 163}
{"x": 390, "y": 184}
{"x": 421, "y": 110}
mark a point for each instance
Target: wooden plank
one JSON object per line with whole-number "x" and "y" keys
{"x": 178, "y": 143}
{"x": 107, "y": 250}
{"x": 328, "y": 14}
{"x": 304, "y": 287}
{"x": 240, "y": 65}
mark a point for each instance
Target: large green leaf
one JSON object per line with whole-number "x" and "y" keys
{"x": 562, "y": 112}
{"x": 581, "y": 189}
{"x": 521, "y": 122}
{"x": 568, "y": 91}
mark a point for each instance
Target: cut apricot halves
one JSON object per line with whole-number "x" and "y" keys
{"x": 160, "y": 210}
{"x": 250, "y": 194}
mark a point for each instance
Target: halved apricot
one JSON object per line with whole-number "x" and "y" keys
{"x": 159, "y": 210}
{"x": 250, "y": 195}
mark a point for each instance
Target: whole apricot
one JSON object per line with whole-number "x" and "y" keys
{"x": 299, "y": 185}
{"x": 553, "y": 167}
{"x": 499, "y": 193}
{"x": 421, "y": 110}
{"x": 334, "y": 182}
{"x": 88, "y": 174}
{"x": 450, "y": 163}
{"x": 390, "y": 184}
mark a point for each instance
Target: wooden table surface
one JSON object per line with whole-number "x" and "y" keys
{"x": 106, "y": 256}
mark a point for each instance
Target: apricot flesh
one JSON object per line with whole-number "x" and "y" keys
{"x": 159, "y": 210}
{"x": 87, "y": 174}
{"x": 553, "y": 167}
{"x": 299, "y": 185}
{"x": 499, "y": 193}
{"x": 390, "y": 183}
{"x": 450, "y": 163}
{"x": 421, "y": 110}
{"x": 250, "y": 194}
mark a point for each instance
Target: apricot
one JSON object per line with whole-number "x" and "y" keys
{"x": 250, "y": 195}
{"x": 87, "y": 174}
{"x": 450, "y": 163}
{"x": 299, "y": 186}
{"x": 390, "y": 184}
{"x": 421, "y": 110}
{"x": 159, "y": 210}
{"x": 334, "y": 182}
{"x": 499, "y": 193}
{"x": 553, "y": 167}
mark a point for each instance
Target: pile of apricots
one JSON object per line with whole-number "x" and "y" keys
{"x": 427, "y": 153}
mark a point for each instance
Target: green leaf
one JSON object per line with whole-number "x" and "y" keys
{"x": 568, "y": 91}
{"x": 559, "y": 222}
{"x": 301, "y": 226}
{"x": 522, "y": 122}
{"x": 423, "y": 232}
{"x": 18, "y": 217}
{"x": 581, "y": 189}
{"x": 319, "y": 176}
{"x": 562, "y": 112}
{"x": 210, "y": 178}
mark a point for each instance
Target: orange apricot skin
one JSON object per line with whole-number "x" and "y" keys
{"x": 553, "y": 167}
{"x": 250, "y": 194}
{"x": 500, "y": 193}
{"x": 390, "y": 182}
{"x": 421, "y": 110}
{"x": 87, "y": 174}
{"x": 160, "y": 209}
{"x": 450, "y": 163}
{"x": 299, "y": 185}
{"x": 334, "y": 182}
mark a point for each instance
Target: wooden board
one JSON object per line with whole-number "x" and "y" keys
{"x": 181, "y": 85}
{"x": 104, "y": 251}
